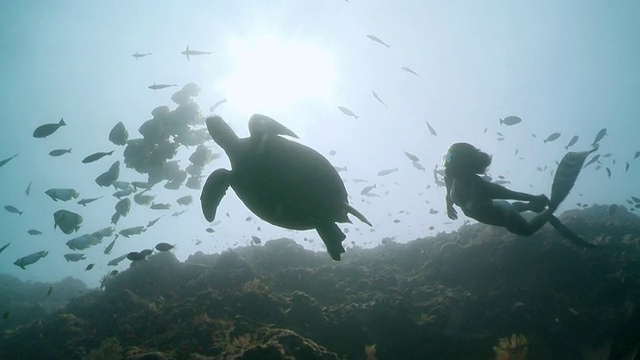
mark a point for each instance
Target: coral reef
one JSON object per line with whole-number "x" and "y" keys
{"x": 478, "y": 293}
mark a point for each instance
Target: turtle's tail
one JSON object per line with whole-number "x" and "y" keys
{"x": 351, "y": 210}
{"x": 332, "y": 237}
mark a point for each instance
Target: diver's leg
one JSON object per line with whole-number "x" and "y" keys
{"x": 520, "y": 206}
{"x": 520, "y": 226}
{"x": 500, "y": 192}
{"x": 537, "y": 203}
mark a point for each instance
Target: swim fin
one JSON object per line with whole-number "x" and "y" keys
{"x": 568, "y": 233}
{"x": 566, "y": 175}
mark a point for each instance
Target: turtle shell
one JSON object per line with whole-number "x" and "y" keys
{"x": 287, "y": 184}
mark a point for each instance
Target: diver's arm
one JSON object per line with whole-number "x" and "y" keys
{"x": 451, "y": 212}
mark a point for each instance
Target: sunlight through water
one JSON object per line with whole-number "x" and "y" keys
{"x": 270, "y": 74}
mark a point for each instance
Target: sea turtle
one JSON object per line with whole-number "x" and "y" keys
{"x": 283, "y": 182}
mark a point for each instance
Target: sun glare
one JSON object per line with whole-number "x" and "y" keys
{"x": 270, "y": 74}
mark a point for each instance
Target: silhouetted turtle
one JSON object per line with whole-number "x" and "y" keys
{"x": 283, "y": 182}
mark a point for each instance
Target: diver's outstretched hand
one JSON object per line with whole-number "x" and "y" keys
{"x": 539, "y": 203}
{"x": 452, "y": 213}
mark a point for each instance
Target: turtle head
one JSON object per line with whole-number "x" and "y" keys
{"x": 262, "y": 125}
{"x": 221, "y": 132}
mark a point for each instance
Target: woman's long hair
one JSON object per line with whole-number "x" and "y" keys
{"x": 466, "y": 158}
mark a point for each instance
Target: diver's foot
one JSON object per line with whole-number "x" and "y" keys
{"x": 539, "y": 204}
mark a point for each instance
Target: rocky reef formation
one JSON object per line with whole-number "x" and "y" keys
{"x": 478, "y": 293}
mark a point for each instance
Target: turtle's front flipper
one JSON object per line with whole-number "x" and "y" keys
{"x": 358, "y": 214}
{"x": 213, "y": 191}
{"x": 332, "y": 237}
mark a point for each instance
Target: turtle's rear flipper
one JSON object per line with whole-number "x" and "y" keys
{"x": 568, "y": 233}
{"x": 213, "y": 191}
{"x": 566, "y": 175}
{"x": 358, "y": 214}
{"x": 332, "y": 237}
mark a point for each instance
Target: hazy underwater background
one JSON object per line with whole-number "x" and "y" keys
{"x": 368, "y": 84}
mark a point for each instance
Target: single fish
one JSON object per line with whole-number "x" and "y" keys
{"x": 74, "y": 257}
{"x": 62, "y": 194}
{"x": 108, "y": 177}
{"x": 34, "y": 232}
{"x": 599, "y": 136}
{"x": 59, "y": 152}
{"x": 45, "y": 130}
{"x": 89, "y": 267}
{"x": 377, "y": 39}
{"x": 139, "y": 55}
{"x": 510, "y": 120}
{"x": 142, "y": 199}
{"x": 411, "y": 156}
{"x": 185, "y": 200}
{"x": 83, "y": 242}
{"x": 123, "y": 185}
{"x": 626, "y": 166}
{"x": 28, "y": 190}
{"x": 574, "y": 139}
{"x": 4, "y": 247}
{"x": 6, "y": 315}
{"x": 339, "y": 169}
{"x": 30, "y": 259}
{"x": 135, "y": 230}
{"x": 410, "y": 71}
{"x": 608, "y": 172}
{"x": 431, "y": 130}
{"x": 347, "y": 112}
{"x": 635, "y": 199}
{"x": 50, "y": 290}
{"x": 636, "y": 155}
{"x": 154, "y": 221}
{"x": 103, "y": 233}
{"x": 135, "y": 256}
{"x": 188, "y": 52}
{"x": 141, "y": 185}
{"x": 123, "y": 193}
{"x": 552, "y": 137}
{"x": 12, "y": 209}
{"x": 3, "y": 162}
{"x": 387, "y": 172}
{"x": 119, "y": 134}
{"x": 256, "y": 240}
{"x": 164, "y": 246}
{"x": 122, "y": 210}
{"x": 160, "y": 86}
{"x": 96, "y": 156}
{"x": 117, "y": 260}
{"x": 84, "y": 202}
{"x": 215, "y": 106}
{"x": 178, "y": 213}
{"x": 160, "y": 206}
{"x": 378, "y": 98}
{"x": 593, "y": 159}
{"x": 68, "y": 221}
{"x": 418, "y": 166}
{"x": 367, "y": 189}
